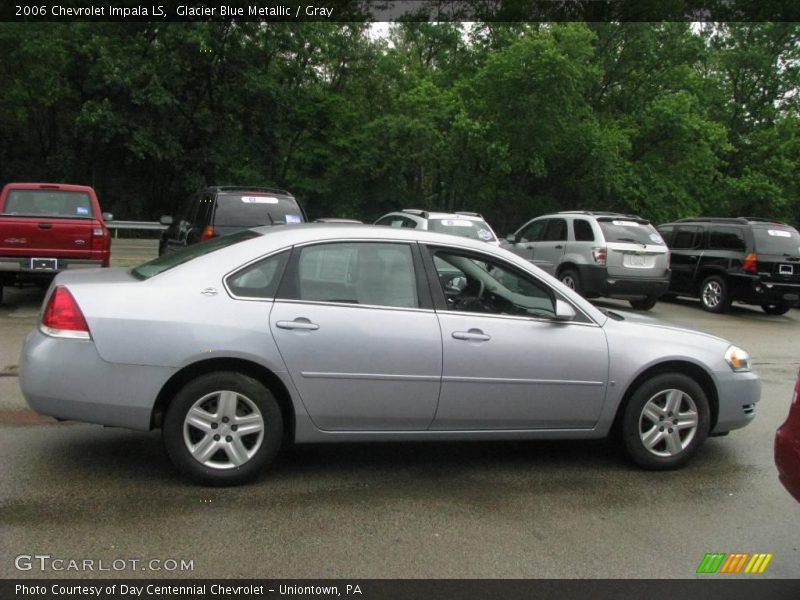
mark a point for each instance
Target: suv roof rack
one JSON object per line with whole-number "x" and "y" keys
{"x": 247, "y": 188}
{"x": 598, "y": 213}
{"x": 760, "y": 220}
{"x": 416, "y": 211}
{"x": 467, "y": 213}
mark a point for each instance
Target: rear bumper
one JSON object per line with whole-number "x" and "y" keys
{"x": 67, "y": 379}
{"x": 787, "y": 459}
{"x": 751, "y": 289}
{"x": 596, "y": 281}
{"x": 21, "y": 267}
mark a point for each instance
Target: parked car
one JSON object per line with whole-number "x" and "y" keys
{"x": 46, "y": 228}
{"x": 598, "y": 254}
{"x": 787, "y": 446}
{"x": 220, "y": 210}
{"x": 744, "y": 259}
{"x": 464, "y": 224}
{"x": 323, "y": 333}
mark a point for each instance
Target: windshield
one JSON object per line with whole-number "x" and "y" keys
{"x": 252, "y": 209}
{"x": 49, "y": 203}
{"x": 776, "y": 239}
{"x": 173, "y": 259}
{"x": 624, "y": 230}
{"x": 476, "y": 230}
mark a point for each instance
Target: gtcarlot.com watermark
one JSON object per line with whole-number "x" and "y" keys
{"x": 47, "y": 563}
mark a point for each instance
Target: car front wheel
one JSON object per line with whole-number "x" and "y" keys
{"x": 714, "y": 294}
{"x": 666, "y": 421}
{"x": 223, "y": 428}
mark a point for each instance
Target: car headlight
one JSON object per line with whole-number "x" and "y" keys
{"x": 738, "y": 359}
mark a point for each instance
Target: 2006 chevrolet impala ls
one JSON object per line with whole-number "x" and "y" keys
{"x": 320, "y": 333}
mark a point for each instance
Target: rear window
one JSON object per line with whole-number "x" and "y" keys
{"x": 250, "y": 209}
{"x": 184, "y": 255}
{"x": 476, "y": 230}
{"x": 777, "y": 240}
{"x": 48, "y": 203}
{"x": 624, "y": 230}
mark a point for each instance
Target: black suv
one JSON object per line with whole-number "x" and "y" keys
{"x": 754, "y": 261}
{"x": 221, "y": 210}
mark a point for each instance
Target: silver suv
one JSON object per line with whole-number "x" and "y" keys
{"x": 465, "y": 224}
{"x": 598, "y": 254}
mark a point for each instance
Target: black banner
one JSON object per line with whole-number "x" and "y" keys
{"x": 393, "y": 589}
{"x": 403, "y": 10}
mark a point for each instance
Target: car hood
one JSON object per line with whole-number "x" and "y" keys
{"x": 657, "y": 328}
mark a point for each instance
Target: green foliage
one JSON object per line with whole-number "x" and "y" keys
{"x": 661, "y": 119}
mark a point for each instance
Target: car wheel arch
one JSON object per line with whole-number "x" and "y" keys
{"x": 246, "y": 367}
{"x": 690, "y": 369}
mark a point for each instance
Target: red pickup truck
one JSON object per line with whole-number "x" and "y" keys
{"x": 48, "y": 227}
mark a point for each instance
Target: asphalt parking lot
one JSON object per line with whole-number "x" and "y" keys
{"x": 454, "y": 510}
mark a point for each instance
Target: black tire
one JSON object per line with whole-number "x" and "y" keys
{"x": 251, "y": 399}
{"x": 572, "y": 280}
{"x": 670, "y": 447}
{"x": 775, "y": 309}
{"x": 645, "y": 303}
{"x": 714, "y": 295}
{"x": 1, "y": 293}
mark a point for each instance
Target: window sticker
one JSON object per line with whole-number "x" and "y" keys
{"x": 485, "y": 234}
{"x": 259, "y": 200}
{"x": 626, "y": 223}
{"x": 293, "y": 219}
{"x": 656, "y": 238}
{"x": 456, "y": 223}
{"x": 779, "y": 233}
{"x": 82, "y": 210}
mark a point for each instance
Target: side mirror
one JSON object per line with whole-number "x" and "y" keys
{"x": 165, "y": 220}
{"x": 512, "y": 238}
{"x": 108, "y": 217}
{"x": 564, "y": 311}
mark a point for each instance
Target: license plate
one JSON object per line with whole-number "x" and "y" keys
{"x": 635, "y": 260}
{"x": 785, "y": 269}
{"x": 44, "y": 264}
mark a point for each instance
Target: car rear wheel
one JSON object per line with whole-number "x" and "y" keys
{"x": 645, "y": 303}
{"x": 666, "y": 421}
{"x": 223, "y": 428}
{"x": 714, "y": 294}
{"x": 775, "y": 309}
{"x": 572, "y": 280}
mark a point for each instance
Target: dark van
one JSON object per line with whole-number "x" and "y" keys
{"x": 220, "y": 210}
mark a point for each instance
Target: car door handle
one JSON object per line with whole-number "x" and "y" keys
{"x": 299, "y": 323}
{"x": 559, "y": 247}
{"x": 45, "y": 225}
{"x": 473, "y": 335}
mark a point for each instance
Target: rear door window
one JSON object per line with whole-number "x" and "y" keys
{"x": 582, "y": 230}
{"x": 726, "y": 238}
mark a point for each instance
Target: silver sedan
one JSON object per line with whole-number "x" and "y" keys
{"x": 324, "y": 333}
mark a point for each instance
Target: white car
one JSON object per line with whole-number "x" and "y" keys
{"x": 464, "y": 224}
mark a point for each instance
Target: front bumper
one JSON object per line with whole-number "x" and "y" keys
{"x": 596, "y": 281}
{"x": 738, "y": 394}
{"x": 67, "y": 379}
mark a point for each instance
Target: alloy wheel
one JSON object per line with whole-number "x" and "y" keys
{"x": 668, "y": 423}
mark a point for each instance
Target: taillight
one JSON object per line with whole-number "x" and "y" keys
{"x": 208, "y": 233}
{"x": 599, "y": 255}
{"x": 98, "y": 238}
{"x": 750, "y": 263}
{"x": 62, "y": 317}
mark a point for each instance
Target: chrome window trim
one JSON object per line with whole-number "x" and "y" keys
{"x": 351, "y": 305}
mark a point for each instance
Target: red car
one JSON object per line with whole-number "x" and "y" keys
{"x": 49, "y": 227}
{"x": 787, "y": 446}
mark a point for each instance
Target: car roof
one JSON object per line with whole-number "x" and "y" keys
{"x": 432, "y": 214}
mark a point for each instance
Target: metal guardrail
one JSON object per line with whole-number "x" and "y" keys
{"x": 142, "y": 225}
